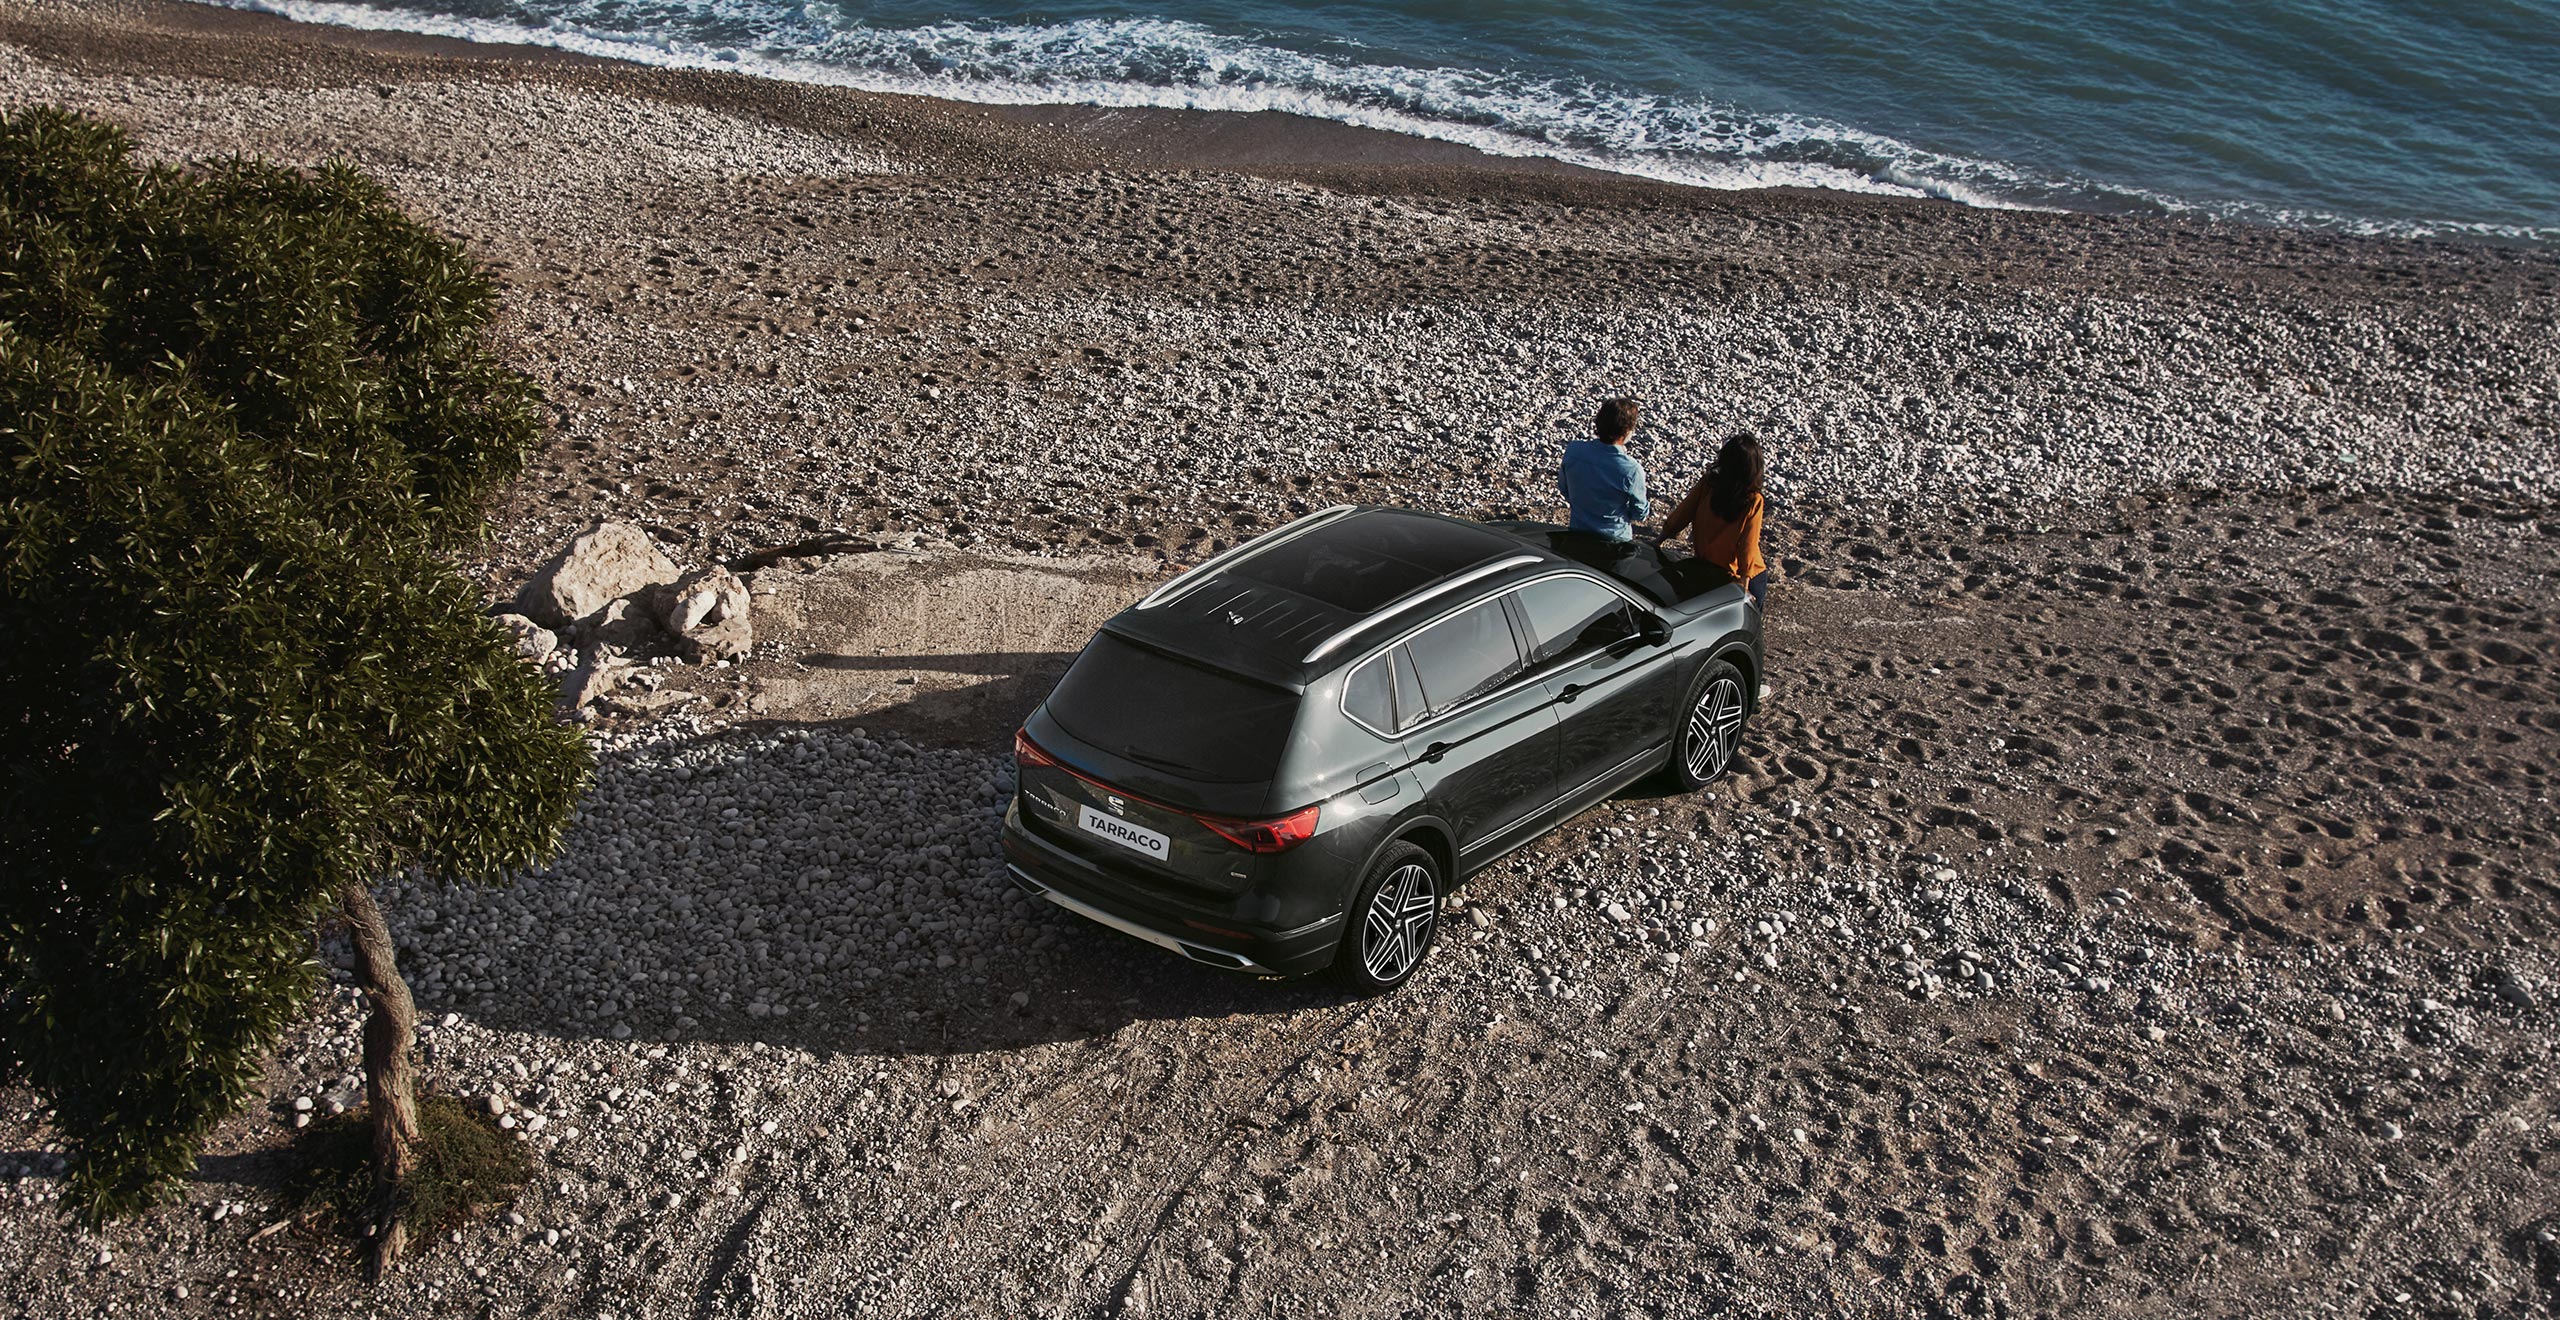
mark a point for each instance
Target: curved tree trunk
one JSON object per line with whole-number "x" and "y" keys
{"x": 390, "y": 1085}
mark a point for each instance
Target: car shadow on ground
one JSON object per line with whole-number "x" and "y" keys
{"x": 1089, "y": 984}
{"x": 701, "y": 954}
{"x": 928, "y": 955}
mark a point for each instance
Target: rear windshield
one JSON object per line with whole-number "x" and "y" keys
{"x": 1171, "y": 715}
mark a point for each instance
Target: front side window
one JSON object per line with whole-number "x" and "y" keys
{"x": 1570, "y": 616}
{"x": 1464, "y": 656}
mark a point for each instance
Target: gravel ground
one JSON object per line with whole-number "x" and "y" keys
{"x": 2137, "y": 898}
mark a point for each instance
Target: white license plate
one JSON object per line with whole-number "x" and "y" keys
{"x": 1135, "y": 838}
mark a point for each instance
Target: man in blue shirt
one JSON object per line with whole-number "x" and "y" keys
{"x": 1603, "y": 487}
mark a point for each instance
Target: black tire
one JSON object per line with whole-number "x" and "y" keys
{"x": 1394, "y": 917}
{"x": 1707, "y": 731}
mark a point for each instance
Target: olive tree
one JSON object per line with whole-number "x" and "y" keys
{"x": 244, "y": 411}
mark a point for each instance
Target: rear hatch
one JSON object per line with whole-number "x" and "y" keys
{"x": 1144, "y": 751}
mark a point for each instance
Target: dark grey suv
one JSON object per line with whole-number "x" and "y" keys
{"x": 1282, "y": 759}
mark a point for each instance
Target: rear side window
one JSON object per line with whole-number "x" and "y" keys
{"x": 1185, "y": 719}
{"x": 1572, "y": 614}
{"x": 1370, "y": 695}
{"x": 1465, "y": 656}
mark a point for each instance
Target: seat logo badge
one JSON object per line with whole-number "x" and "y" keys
{"x": 1234, "y": 619}
{"x": 1118, "y": 805}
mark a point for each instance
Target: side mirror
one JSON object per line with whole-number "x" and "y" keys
{"x": 1652, "y": 629}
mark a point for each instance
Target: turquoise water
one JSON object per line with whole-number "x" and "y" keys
{"x": 2352, "y": 115}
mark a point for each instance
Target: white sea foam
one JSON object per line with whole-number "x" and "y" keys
{"x": 1164, "y": 63}
{"x": 1158, "y": 63}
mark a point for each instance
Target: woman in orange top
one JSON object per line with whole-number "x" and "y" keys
{"x": 1724, "y": 509}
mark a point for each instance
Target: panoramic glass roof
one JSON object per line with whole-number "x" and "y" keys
{"x": 1369, "y": 559}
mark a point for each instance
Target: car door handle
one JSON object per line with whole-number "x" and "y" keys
{"x": 1435, "y": 751}
{"x": 1569, "y": 692}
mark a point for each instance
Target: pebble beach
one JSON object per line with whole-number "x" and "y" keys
{"x": 2136, "y": 898}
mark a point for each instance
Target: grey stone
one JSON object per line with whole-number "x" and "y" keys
{"x": 591, "y": 680}
{"x": 702, "y": 597}
{"x": 710, "y": 612}
{"x": 2512, "y": 990}
{"x": 533, "y": 641}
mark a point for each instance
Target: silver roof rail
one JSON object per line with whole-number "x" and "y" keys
{"x": 1198, "y": 574}
{"x": 1391, "y": 608}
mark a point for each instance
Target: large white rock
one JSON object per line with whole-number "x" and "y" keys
{"x": 603, "y": 564}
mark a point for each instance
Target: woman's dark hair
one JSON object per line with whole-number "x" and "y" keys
{"x": 1617, "y": 419}
{"x": 1735, "y": 477}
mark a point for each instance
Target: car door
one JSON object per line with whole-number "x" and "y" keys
{"x": 1614, "y": 691}
{"x": 1482, "y": 731}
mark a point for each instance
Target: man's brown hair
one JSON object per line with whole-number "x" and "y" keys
{"x": 1617, "y": 419}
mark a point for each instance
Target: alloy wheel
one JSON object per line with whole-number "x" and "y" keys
{"x": 1397, "y": 927}
{"x": 1715, "y": 726}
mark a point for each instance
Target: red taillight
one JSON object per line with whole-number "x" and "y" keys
{"x": 1027, "y": 753}
{"x": 1265, "y": 836}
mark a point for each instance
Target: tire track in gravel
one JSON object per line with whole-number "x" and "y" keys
{"x": 1002, "y": 1159}
{"x": 2356, "y": 1277}
{"x": 1574, "y": 1094}
{"x": 1170, "y": 1198}
{"x": 716, "y": 1292}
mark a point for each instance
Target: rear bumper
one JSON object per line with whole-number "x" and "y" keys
{"x": 1092, "y": 892}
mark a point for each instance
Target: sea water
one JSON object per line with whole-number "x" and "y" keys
{"x": 2415, "y": 117}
